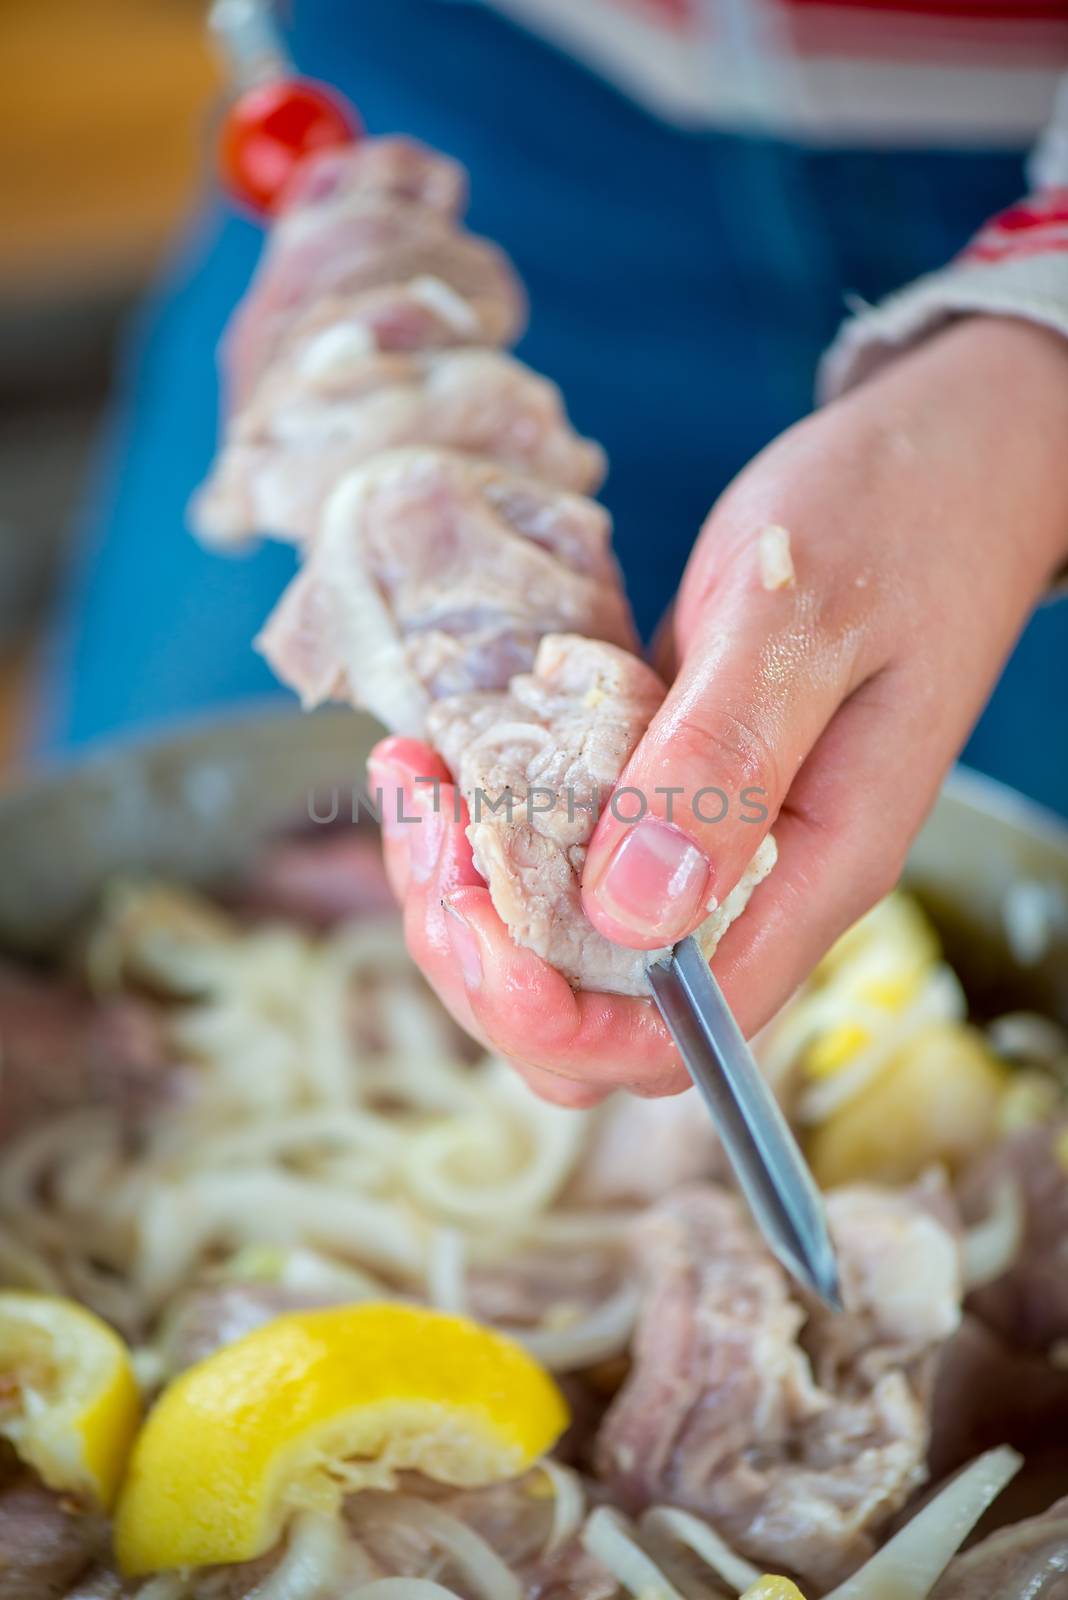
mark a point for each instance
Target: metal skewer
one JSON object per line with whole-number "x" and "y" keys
{"x": 769, "y": 1166}
{"x": 249, "y": 41}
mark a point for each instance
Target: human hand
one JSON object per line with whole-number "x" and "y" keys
{"x": 926, "y": 512}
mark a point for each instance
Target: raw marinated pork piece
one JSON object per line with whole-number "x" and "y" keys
{"x": 414, "y": 1534}
{"x": 60, "y": 1050}
{"x": 1027, "y": 1561}
{"x": 536, "y": 764}
{"x": 1028, "y": 1304}
{"x": 329, "y": 407}
{"x": 988, "y": 1394}
{"x": 434, "y": 574}
{"x": 46, "y": 1541}
{"x": 374, "y": 229}
{"x": 212, "y": 1315}
{"x": 675, "y": 1136}
{"x": 798, "y": 1434}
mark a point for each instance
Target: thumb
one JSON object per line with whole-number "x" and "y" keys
{"x": 709, "y": 776}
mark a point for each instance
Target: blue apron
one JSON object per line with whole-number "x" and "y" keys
{"x": 683, "y": 285}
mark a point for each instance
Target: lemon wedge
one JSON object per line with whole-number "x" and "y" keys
{"x": 770, "y": 1587}
{"x": 936, "y": 1100}
{"x": 313, "y": 1404}
{"x": 68, "y": 1400}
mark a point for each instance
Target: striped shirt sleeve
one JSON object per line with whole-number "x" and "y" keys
{"x": 1017, "y": 265}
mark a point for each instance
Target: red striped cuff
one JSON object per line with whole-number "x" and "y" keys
{"x": 1033, "y": 226}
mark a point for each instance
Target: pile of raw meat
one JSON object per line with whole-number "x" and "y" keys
{"x": 456, "y": 581}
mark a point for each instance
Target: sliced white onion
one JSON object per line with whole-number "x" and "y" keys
{"x": 604, "y": 1333}
{"x": 1027, "y": 1036}
{"x": 447, "y": 1270}
{"x": 610, "y": 1541}
{"x": 569, "y": 1504}
{"x": 507, "y": 1161}
{"x": 402, "y": 1589}
{"x": 318, "y": 1564}
{"x": 909, "y": 1565}
{"x": 22, "y": 1267}
{"x": 167, "y": 1586}
{"x": 1031, "y": 913}
{"x": 266, "y": 1206}
{"x": 665, "y": 1521}
{"x": 991, "y": 1246}
{"x": 483, "y": 1570}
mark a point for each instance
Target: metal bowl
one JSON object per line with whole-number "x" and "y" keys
{"x": 991, "y": 868}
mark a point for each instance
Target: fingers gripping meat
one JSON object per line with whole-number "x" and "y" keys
{"x": 434, "y": 574}
{"x": 329, "y": 406}
{"x": 797, "y": 1435}
{"x": 374, "y": 229}
{"x": 536, "y": 764}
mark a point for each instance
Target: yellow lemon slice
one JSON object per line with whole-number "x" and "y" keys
{"x": 317, "y": 1402}
{"x": 68, "y": 1400}
{"x": 770, "y": 1587}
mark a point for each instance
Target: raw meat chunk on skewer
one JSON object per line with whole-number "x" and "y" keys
{"x": 435, "y": 574}
{"x": 536, "y": 765}
{"x": 378, "y": 218}
{"x": 325, "y": 408}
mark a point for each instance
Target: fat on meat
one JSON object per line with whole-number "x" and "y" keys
{"x": 536, "y": 764}
{"x": 796, "y": 1432}
{"x": 435, "y": 574}
{"x": 373, "y": 226}
{"x": 329, "y": 408}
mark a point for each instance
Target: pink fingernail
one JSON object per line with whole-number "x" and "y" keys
{"x": 424, "y": 830}
{"x": 463, "y": 942}
{"x": 386, "y": 793}
{"x": 656, "y": 882}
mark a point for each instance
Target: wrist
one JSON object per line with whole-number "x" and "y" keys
{"x": 980, "y": 410}
{"x": 1010, "y": 377}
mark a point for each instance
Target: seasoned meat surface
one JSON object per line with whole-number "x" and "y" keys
{"x": 536, "y": 765}
{"x": 434, "y": 574}
{"x": 328, "y": 408}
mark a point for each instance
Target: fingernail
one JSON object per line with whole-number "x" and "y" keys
{"x": 464, "y": 944}
{"x": 387, "y": 792}
{"x": 656, "y": 882}
{"x": 425, "y": 830}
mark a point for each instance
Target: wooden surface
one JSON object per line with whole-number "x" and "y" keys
{"x": 104, "y": 111}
